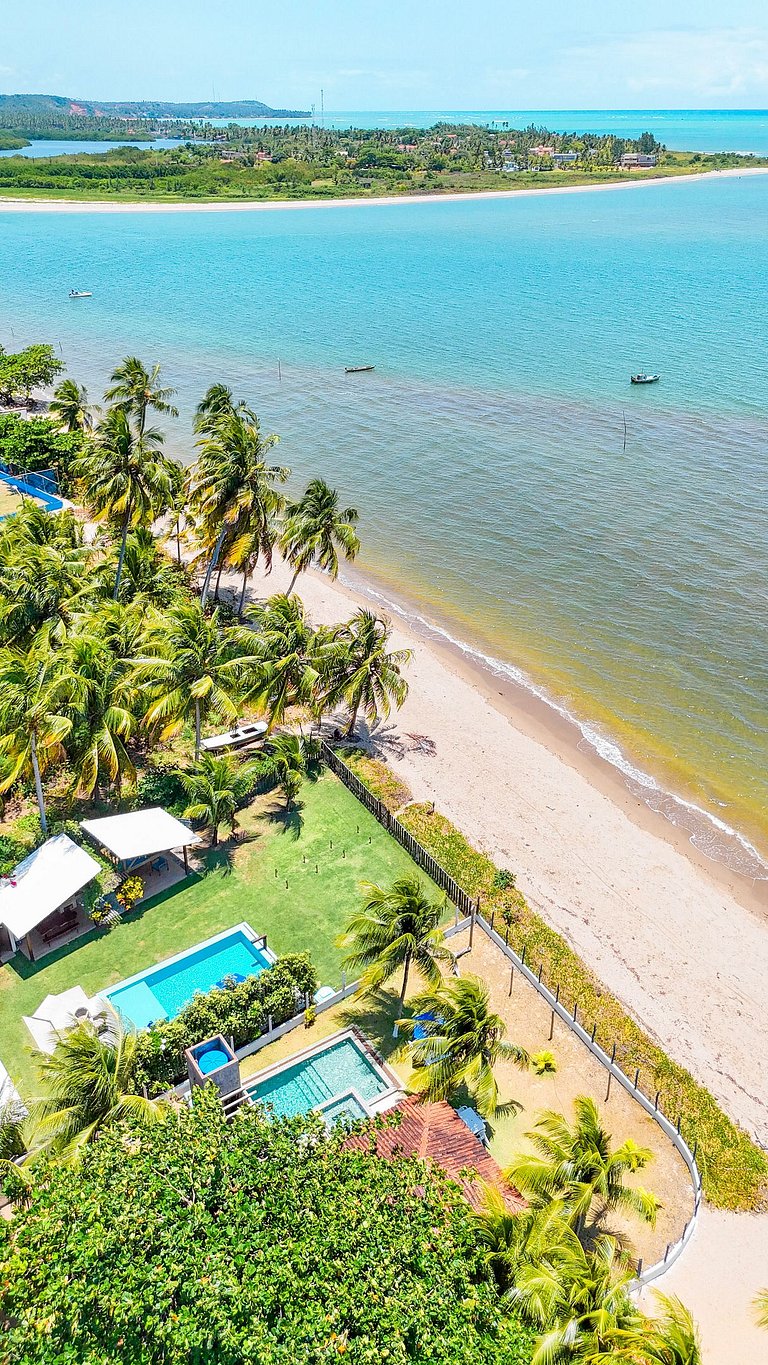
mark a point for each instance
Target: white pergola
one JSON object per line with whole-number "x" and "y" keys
{"x": 58, "y": 1013}
{"x": 139, "y": 834}
{"x": 46, "y": 881}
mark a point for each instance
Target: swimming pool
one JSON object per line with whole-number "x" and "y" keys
{"x": 162, "y": 991}
{"x": 338, "y": 1077}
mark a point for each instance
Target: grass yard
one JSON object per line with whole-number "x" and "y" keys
{"x": 331, "y": 832}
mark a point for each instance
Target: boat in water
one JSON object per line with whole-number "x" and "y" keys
{"x": 80, "y": 294}
{"x": 358, "y": 369}
{"x": 644, "y": 378}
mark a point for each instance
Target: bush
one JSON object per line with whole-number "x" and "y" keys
{"x": 12, "y": 851}
{"x": 159, "y": 786}
{"x": 238, "y": 1010}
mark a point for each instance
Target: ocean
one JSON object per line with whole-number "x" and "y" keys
{"x": 603, "y": 543}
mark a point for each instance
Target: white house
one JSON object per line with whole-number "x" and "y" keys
{"x": 40, "y": 903}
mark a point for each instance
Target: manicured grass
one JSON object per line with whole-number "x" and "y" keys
{"x": 323, "y": 851}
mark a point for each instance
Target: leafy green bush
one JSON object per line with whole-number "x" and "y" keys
{"x": 206, "y": 1240}
{"x": 161, "y": 786}
{"x": 12, "y": 851}
{"x": 237, "y": 1010}
{"x": 36, "y": 443}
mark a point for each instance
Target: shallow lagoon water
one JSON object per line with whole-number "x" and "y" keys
{"x": 487, "y": 450}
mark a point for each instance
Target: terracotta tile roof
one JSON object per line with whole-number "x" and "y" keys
{"x": 435, "y": 1133}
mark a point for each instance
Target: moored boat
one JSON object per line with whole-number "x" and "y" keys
{"x": 644, "y": 378}
{"x": 358, "y": 369}
{"x": 80, "y": 294}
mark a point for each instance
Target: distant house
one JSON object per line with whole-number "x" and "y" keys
{"x": 633, "y": 159}
{"x": 565, "y": 158}
{"x": 543, "y": 151}
{"x": 263, "y": 156}
{"x": 509, "y": 167}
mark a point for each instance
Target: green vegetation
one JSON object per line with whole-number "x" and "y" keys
{"x": 36, "y": 443}
{"x": 323, "y": 852}
{"x": 397, "y": 928}
{"x": 733, "y": 1169}
{"x": 21, "y": 372}
{"x": 463, "y": 1043}
{"x": 202, "y": 1239}
{"x": 306, "y": 162}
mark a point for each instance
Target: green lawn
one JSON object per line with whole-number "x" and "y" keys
{"x": 323, "y": 851}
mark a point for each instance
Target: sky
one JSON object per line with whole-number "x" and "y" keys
{"x": 393, "y": 54}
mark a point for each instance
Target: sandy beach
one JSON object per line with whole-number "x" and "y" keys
{"x": 680, "y": 940}
{"x": 11, "y": 205}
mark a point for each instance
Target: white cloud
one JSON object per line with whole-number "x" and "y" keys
{"x": 697, "y": 65}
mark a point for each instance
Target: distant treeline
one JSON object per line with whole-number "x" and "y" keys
{"x": 306, "y": 161}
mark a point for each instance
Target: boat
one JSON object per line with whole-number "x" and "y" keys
{"x": 644, "y": 378}
{"x": 80, "y": 294}
{"x": 358, "y": 369}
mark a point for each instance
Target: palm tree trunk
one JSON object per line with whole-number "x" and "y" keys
{"x": 212, "y": 566}
{"x": 197, "y": 730}
{"x": 38, "y": 786}
{"x": 215, "y": 839}
{"x": 353, "y": 720}
{"x": 242, "y": 594}
{"x": 406, "y": 968}
{"x": 119, "y": 573}
{"x": 218, "y": 581}
{"x": 292, "y": 585}
{"x": 178, "y": 541}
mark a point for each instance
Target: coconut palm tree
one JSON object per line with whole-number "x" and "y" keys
{"x": 33, "y": 723}
{"x": 464, "y": 1043}
{"x": 134, "y": 390}
{"x": 125, "y": 479}
{"x": 286, "y": 763}
{"x": 362, "y": 672}
{"x": 146, "y": 573}
{"x": 232, "y": 488}
{"x": 397, "y": 927}
{"x": 44, "y": 585}
{"x": 510, "y": 1240}
{"x": 316, "y": 528}
{"x": 218, "y": 402}
{"x": 580, "y": 1298}
{"x": 669, "y": 1338}
{"x": 761, "y": 1308}
{"x": 217, "y": 787}
{"x": 195, "y": 666}
{"x": 97, "y": 693}
{"x": 70, "y": 406}
{"x": 89, "y": 1083}
{"x": 291, "y": 653}
{"x": 577, "y": 1165}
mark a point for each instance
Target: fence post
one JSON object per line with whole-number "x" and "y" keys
{"x": 269, "y": 1023}
{"x": 511, "y": 978}
{"x": 552, "y": 1026}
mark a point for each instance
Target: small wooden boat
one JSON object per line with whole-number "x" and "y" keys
{"x": 80, "y": 294}
{"x": 358, "y": 369}
{"x": 644, "y": 378}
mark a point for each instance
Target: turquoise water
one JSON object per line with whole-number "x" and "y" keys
{"x": 325, "y": 1076}
{"x": 162, "y": 992}
{"x": 605, "y": 543}
{"x": 62, "y": 147}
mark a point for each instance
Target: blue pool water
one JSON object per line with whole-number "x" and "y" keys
{"x": 327, "y": 1075}
{"x": 163, "y": 991}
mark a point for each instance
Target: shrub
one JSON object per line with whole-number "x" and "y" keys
{"x": 504, "y": 880}
{"x": 129, "y": 893}
{"x": 544, "y": 1063}
{"x": 159, "y": 786}
{"x": 12, "y": 851}
{"x": 238, "y": 1010}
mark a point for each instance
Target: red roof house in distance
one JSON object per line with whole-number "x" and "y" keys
{"x": 435, "y": 1133}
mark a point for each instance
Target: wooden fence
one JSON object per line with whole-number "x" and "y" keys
{"x": 463, "y": 902}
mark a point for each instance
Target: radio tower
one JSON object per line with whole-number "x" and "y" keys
{"x": 322, "y": 107}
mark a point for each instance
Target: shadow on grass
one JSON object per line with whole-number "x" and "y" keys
{"x": 25, "y": 970}
{"x": 376, "y": 1016}
{"x": 291, "y": 819}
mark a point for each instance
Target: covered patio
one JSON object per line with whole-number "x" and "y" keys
{"x": 40, "y": 904}
{"x": 151, "y": 843}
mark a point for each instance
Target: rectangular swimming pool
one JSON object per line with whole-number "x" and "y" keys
{"x": 162, "y": 991}
{"x": 339, "y": 1078}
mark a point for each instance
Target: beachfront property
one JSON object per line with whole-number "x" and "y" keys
{"x": 41, "y": 902}
{"x": 636, "y": 160}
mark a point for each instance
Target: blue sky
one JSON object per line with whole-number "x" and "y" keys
{"x": 394, "y": 54}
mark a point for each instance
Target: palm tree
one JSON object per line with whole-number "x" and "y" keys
{"x": 464, "y": 1043}
{"x": 581, "y": 1298}
{"x": 135, "y": 390}
{"x": 397, "y": 927}
{"x": 146, "y": 571}
{"x": 32, "y": 720}
{"x": 362, "y": 672}
{"x": 669, "y": 1338}
{"x": 196, "y": 666}
{"x": 286, "y": 764}
{"x": 125, "y": 479}
{"x": 291, "y": 653}
{"x": 577, "y": 1165}
{"x": 218, "y": 402}
{"x": 314, "y": 527}
{"x": 217, "y": 788}
{"x": 232, "y": 488}
{"x": 44, "y": 585}
{"x": 761, "y": 1308}
{"x": 70, "y": 406}
{"x": 510, "y": 1240}
{"x": 98, "y": 694}
{"x": 89, "y": 1084}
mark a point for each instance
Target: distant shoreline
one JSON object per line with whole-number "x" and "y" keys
{"x": 12, "y": 205}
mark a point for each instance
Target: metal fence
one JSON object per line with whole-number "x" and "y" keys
{"x": 464, "y": 903}
{"x": 670, "y": 1128}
